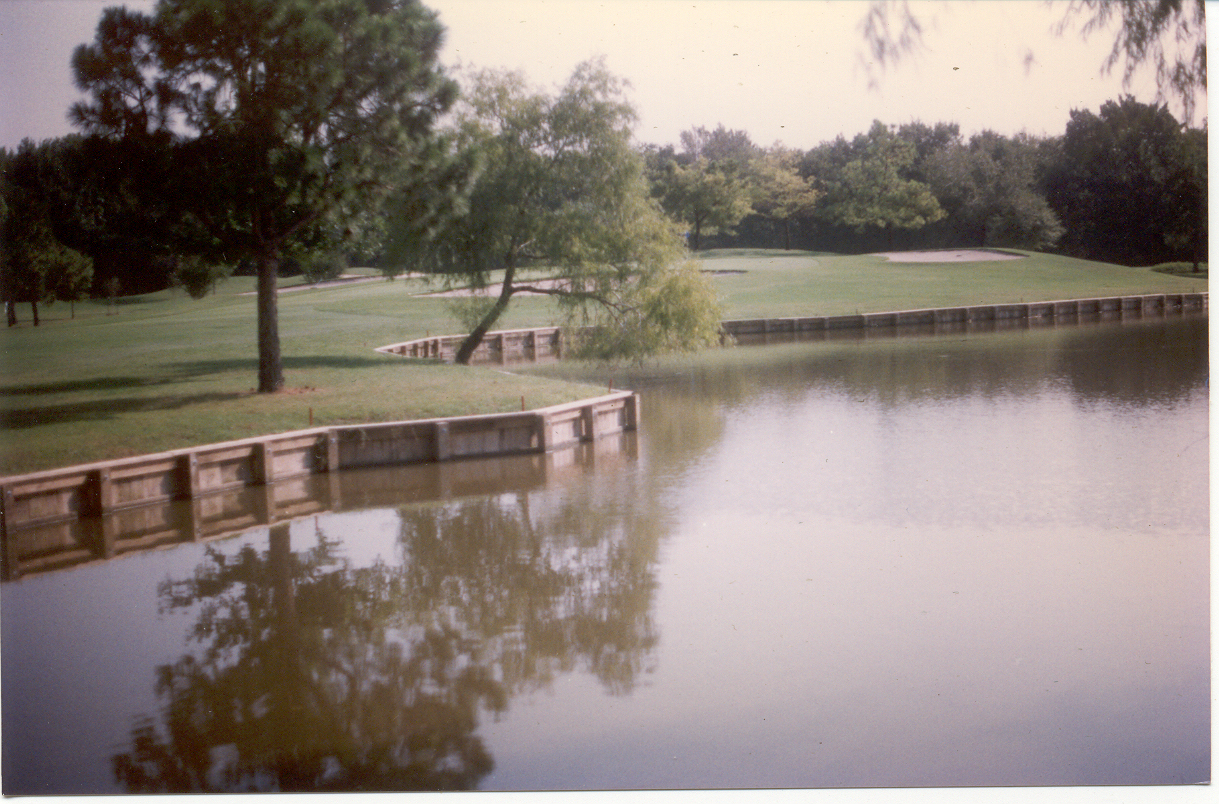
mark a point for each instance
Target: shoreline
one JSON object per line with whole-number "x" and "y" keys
{"x": 69, "y": 495}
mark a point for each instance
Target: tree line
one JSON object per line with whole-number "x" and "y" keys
{"x": 280, "y": 136}
{"x": 1126, "y": 184}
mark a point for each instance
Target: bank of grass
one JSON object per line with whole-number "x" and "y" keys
{"x": 777, "y": 284}
{"x": 162, "y": 371}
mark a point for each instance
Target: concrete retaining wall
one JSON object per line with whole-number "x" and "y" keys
{"x": 538, "y": 345}
{"x": 75, "y": 541}
{"x": 544, "y": 344}
{"x": 84, "y": 509}
{"x": 199, "y": 473}
{"x": 949, "y": 316}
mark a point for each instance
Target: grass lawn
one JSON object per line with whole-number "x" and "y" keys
{"x": 163, "y": 371}
{"x": 779, "y": 284}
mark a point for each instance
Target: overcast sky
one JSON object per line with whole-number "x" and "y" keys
{"x": 783, "y": 70}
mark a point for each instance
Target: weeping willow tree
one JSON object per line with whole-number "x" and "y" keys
{"x": 1165, "y": 36}
{"x": 559, "y": 205}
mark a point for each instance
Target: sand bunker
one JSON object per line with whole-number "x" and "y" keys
{"x": 948, "y": 255}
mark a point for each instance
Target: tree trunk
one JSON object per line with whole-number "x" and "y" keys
{"x": 10, "y": 310}
{"x": 34, "y": 307}
{"x": 787, "y": 234}
{"x": 466, "y": 351}
{"x": 270, "y": 365}
{"x": 697, "y": 228}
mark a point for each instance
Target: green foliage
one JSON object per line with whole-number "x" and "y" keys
{"x": 35, "y": 267}
{"x": 557, "y": 186}
{"x": 710, "y": 185}
{"x": 170, "y": 372}
{"x": 1144, "y": 32}
{"x": 990, "y": 191}
{"x": 471, "y": 310}
{"x": 1167, "y": 35}
{"x": 782, "y": 193}
{"x": 299, "y": 116}
{"x": 1128, "y": 185}
{"x": 112, "y": 200}
{"x": 668, "y": 313}
{"x": 323, "y": 266}
{"x": 198, "y": 276}
{"x": 872, "y": 190}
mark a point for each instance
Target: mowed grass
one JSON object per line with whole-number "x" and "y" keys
{"x": 779, "y": 284}
{"x": 163, "y": 371}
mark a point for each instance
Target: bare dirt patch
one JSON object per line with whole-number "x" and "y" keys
{"x": 948, "y": 255}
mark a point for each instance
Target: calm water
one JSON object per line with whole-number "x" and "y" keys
{"x": 960, "y": 560}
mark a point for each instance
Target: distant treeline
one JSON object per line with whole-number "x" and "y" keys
{"x": 1126, "y": 185}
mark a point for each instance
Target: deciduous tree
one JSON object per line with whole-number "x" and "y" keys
{"x": 35, "y": 267}
{"x": 872, "y": 190}
{"x": 1117, "y": 184}
{"x": 561, "y": 190}
{"x": 710, "y": 185}
{"x": 782, "y": 193}
{"x": 989, "y": 189}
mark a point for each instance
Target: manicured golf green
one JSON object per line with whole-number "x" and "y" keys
{"x": 163, "y": 371}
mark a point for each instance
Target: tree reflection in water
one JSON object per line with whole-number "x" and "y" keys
{"x": 313, "y": 674}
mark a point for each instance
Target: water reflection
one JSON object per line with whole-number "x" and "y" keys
{"x": 310, "y": 673}
{"x": 1140, "y": 360}
{"x": 300, "y": 682}
{"x": 961, "y": 560}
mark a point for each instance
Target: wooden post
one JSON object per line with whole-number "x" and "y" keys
{"x": 6, "y": 506}
{"x": 264, "y": 503}
{"x": 7, "y": 570}
{"x": 332, "y": 451}
{"x": 188, "y": 474}
{"x": 441, "y": 435}
{"x": 543, "y": 432}
{"x": 588, "y": 418}
{"x": 107, "y": 537}
{"x": 326, "y": 453}
{"x": 631, "y": 421}
{"x": 196, "y": 520}
{"x": 264, "y": 464}
{"x": 102, "y": 490}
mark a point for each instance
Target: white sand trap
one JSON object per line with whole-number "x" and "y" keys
{"x": 948, "y": 255}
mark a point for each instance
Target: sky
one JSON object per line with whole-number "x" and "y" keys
{"x": 789, "y": 71}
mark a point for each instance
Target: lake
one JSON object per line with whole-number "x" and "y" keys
{"x": 976, "y": 559}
